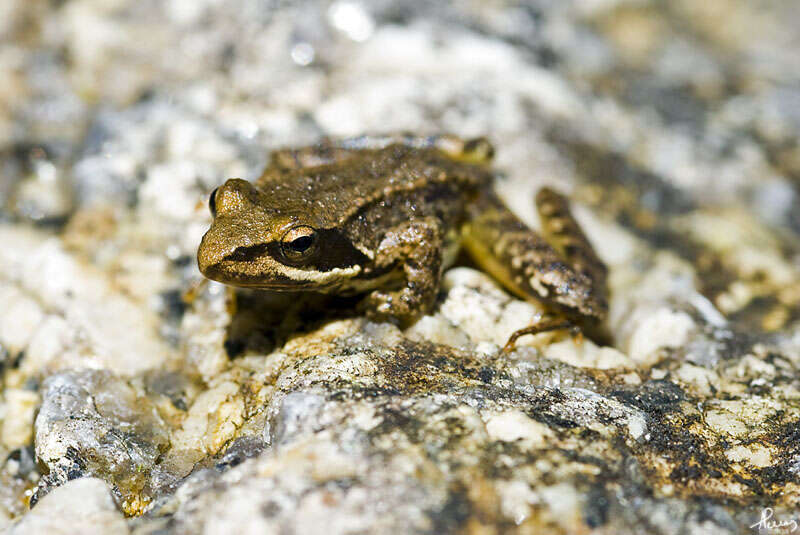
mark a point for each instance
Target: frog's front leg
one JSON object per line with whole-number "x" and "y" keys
{"x": 416, "y": 247}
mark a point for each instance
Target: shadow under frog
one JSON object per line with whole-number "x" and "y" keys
{"x": 263, "y": 320}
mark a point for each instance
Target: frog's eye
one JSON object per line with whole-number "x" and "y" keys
{"x": 212, "y": 202}
{"x": 299, "y": 243}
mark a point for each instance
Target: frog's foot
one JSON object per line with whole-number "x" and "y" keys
{"x": 190, "y": 294}
{"x": 401, "y": 307}
{"x": 476, "y": 150}
{"x": 417, "y": 247}
{"x": 554, "y": 324}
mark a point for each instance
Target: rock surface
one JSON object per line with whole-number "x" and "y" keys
{"x": 83, "y": 506}
{"x": 126, "y": 408}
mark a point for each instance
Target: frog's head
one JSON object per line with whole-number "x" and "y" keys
{"x": 267, "y": 239}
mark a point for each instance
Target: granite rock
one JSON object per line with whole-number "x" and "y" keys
{"x": 81, "y": 506}
{"x": 135, "y": 401}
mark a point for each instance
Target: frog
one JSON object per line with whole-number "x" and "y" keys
{"x": 383, "y": 216}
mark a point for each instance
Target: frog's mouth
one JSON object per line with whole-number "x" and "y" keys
{"x": 265, "y": 273}
{"x": 244, "y": 275}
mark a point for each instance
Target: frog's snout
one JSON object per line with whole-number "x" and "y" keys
{"x": 215, "y": 247}
{"x": 208, "y": 256}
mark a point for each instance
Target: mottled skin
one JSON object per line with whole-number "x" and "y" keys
{"x": 383, "y": 216}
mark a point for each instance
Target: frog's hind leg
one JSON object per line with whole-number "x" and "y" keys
{"x": 530, "y": 267}
{"x": 549, "y": 325}
{"x": 520, "y": 258}
{"x": 563, "y": 232}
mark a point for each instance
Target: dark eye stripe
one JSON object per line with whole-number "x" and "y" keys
{"x": 243, "y": 254}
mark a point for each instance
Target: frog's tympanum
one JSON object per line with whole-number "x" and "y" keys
{"x": 383, "y": 216}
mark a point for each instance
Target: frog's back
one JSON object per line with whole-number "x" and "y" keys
{"x": 357, "y": 180}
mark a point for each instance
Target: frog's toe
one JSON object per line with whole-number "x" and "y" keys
{"x": 398, "y": 307}
{"x": 479, "y": 150}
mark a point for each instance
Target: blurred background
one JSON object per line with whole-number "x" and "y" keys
{"x": 674, "y": 126}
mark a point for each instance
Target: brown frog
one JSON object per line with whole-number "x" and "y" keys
{"x": 383, "y": 216}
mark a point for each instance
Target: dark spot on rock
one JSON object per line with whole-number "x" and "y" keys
{"x": 547, "y": 57}
{"x": 486, "y": 374}
{"x": 35, "y": 497}
{"x": 32, "y": 384}
{"x": 372, "y": 392}
{"x": 452, "y": 517}
{"x": 234, "y": 347}
{"x": 227, "y": 57}
{"x": 243, "y": 448}
{"x": 779, "y": 474}
{"x": 5, "y": 358}
{"x": 148, "y": 94}
{"x": 173, "y": 385}
{"x": 686, "y": 472}
{"x": 15, "y": 360}
{"x": 786, "y": 439}
{"x": 270, "y": 509}
{"x": 541, "y": 409}
{"x": 393, "y": 419}
{"x": 183, "y": 261}
{"x": 752, "y": 484}
{"x": 656, "y": 396}
{"x": 74, "y": 473}
{"x": 25, "y": 458}
{"x": 709, "y": 512}
{"x": 339, "y": 395}
{"x": 595, "y": 508}
{"x": 556, "y": 421}
{"x": 676, "y": 105}
{"x": 173, "y": 305}
{"x": 788, "y": 436}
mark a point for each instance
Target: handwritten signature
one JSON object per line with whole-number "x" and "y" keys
{"x": 767, "y": 523}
